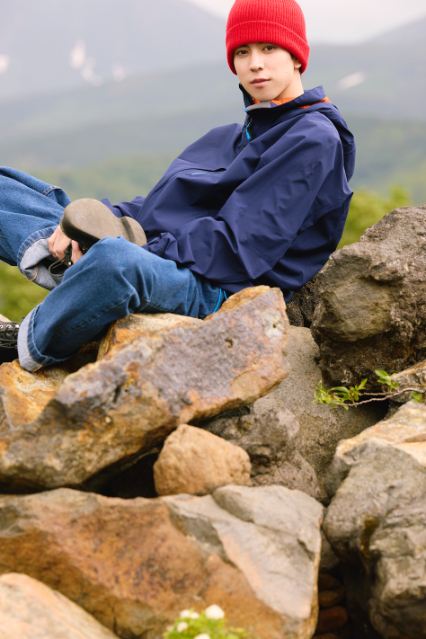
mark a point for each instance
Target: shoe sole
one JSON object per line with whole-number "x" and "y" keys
{"x": 87, "y": 221}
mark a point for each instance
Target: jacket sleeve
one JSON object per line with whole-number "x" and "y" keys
{"x": 263, "y": 215}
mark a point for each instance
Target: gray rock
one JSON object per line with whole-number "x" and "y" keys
{"x": 271, "y": 534}
{"x": 321, "y": 428}
{"x": 329, "y": 559}
{"x": 372, "y": 311}
{"x": 269, "y": 435}
{"x": 63, "y": 430}
{"x": 377, "y": 519}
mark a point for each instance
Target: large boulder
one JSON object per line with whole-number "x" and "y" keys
{"x": 372, "y": 309}
{"x": 31, "y": 610}
{"x": 62, "y": 430}
{"x": 135, "y": 564}
{"x": 196, "y": 462}
{"x": 376, "y": 523}
{"x": 289, "y": 428}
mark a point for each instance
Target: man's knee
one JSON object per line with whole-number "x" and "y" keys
{"x": 115, "y": 253}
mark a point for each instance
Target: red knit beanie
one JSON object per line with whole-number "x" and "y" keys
{"x": 279, "y": 22}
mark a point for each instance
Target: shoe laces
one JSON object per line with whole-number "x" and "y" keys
{"x": 9, "y": 334}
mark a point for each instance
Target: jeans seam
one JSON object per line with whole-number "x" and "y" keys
{"x": 95, "y": 317}
{"x": 49, "y": 189}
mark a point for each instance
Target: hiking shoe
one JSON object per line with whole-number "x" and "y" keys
{"x": 8, "y": 341}
{"x": 87, "y": 221}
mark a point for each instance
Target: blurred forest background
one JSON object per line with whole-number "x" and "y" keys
{"x": 98, "y": 97}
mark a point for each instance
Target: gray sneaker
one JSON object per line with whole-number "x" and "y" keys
{"x": 87, "y": 221}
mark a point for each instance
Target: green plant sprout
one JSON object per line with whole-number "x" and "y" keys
{"x": 209, "y": 624}
{"x": 346, "y": 397}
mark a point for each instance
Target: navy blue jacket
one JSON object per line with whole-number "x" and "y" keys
{"x": 263, "y": 203}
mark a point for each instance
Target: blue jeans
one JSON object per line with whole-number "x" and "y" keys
{"x": 114, "y": 278}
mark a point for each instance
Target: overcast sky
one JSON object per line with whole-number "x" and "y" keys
{"x": 340, "y": 21}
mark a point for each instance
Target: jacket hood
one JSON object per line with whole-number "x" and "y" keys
{"x": 267, "y": 114}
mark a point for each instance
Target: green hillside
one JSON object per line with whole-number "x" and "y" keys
{"x": 389, "y": 151}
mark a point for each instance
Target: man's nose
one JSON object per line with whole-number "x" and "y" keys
{"x": 256, "y": 61}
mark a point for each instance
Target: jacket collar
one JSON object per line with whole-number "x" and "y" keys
{"x": 266, "y": 114}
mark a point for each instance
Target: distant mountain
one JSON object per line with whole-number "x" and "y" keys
{"x": 49, "y": 45}
{"x": 383, "y": 77}
{"x": 409, "y": 33}
{"x": 379, "y": 86}
{"x": 205, "y": 87}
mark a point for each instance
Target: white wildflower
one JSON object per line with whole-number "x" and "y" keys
{"x": 214, "y": 612}
{"x": 194, "y": 615}
{"x": 185, "y": 614}
{"x": 203, "y": 635}
{"x": 182, "y": 626}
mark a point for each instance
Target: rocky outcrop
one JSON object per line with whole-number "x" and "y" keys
{"x": 270, "y": 436}
{"x": 413, "y": 377}
{"x": 63, "y": 430}
{"x": 372, "y": 312}
{"x": 196, "y": 462}
{"x": 301, "y": 308}
{"x": 135, "y": 564}
{"x": 285, "y": 429}
{"x": 376, "y": 522}
{"x": 31, "y": 610}
{"x": 135, "y": 326}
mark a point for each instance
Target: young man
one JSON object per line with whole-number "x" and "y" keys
{"x": 263, "y": 203}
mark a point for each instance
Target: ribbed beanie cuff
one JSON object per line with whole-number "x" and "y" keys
{"x": 279, "y": 22}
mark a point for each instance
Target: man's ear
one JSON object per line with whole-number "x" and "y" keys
{"x": 297, "y": 64}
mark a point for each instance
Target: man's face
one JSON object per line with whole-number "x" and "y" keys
{"x": 267, "y": 71}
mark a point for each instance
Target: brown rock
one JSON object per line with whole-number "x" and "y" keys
{"x": 413, "y": 377}
{"x": 328, "y": 582}
{"x": 301, "y": 308}
{"x": 132, "y": 327}
{"x": 331, "y": 619}
{"x": 196, "y": 462}
{"x": 31, "y": 610}
{"x": 372, "y": 312}
{"x": 126, "y": 403}
{"x": 330, "y": 598}
{"x": 135, "y": 564}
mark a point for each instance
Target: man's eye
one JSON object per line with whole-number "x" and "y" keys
{"x": 270, "y": 47}
{"x": 242, "y": 52}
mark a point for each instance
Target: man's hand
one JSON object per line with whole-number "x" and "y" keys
{"x": 58, "y": 242}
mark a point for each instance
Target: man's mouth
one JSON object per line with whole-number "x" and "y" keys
{"x": 259, "y": 82}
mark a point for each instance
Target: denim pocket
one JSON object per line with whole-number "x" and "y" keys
{"x": 58, "y": 195}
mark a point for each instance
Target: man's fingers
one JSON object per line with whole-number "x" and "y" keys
{"x": 76, "y": 252}
{"x": 58, "y": 242}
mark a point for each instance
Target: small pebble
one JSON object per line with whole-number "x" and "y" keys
{"x": 327, "y": 582}
{"x": 331, "y": 620}
{"x": 330, "y": 598}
